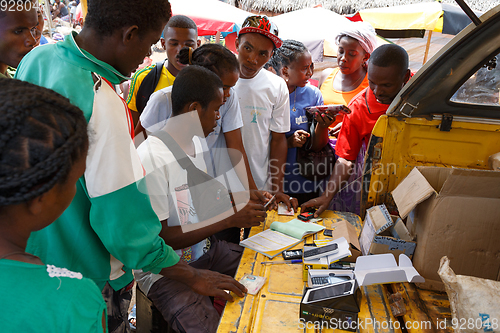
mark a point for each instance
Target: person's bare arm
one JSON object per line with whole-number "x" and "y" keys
{"x": 321, "y": 131}
{"x": 204, "y": 282}
{"x": 324, "y": 74}
{"x": 139, "y": 130}
{"x": 235, "y": 141}
{"x": 250, "y": 216}
{"x": 337, "y": 180}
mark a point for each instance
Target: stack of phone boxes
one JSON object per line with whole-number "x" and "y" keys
{"x": 332, "y": 296}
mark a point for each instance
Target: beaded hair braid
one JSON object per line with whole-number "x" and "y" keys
{"x": 41, "y": 136}
{"x": 214, "y": 57}
{"x": 288, "y": 52}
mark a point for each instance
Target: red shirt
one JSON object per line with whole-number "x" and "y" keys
{"x": 357, "y": 126}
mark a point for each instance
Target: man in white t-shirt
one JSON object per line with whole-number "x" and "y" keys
{"x": 159, "y": 110}
{"x": 264, "y": 104}
{"x": 196, "y": 97}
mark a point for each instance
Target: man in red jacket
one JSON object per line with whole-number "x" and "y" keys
{"x": 387, "y": 74}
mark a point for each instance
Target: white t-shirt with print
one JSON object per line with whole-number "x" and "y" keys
{"x": 159, "y": 109}
{"x": 264, "y": 108}
{"x": 170, "y": 197}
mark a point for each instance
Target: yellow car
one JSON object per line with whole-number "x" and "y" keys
{"x": 447, "y": 115}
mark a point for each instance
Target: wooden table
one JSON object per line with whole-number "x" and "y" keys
{"x": 275, "y": 309}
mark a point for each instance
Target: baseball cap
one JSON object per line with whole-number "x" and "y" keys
{"x": 260, "y": 24}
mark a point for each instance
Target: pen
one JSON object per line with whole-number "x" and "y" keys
{"x": 293, "y": 261}
{"x": 270, "y": 200}
{"x": 265, "y": 207}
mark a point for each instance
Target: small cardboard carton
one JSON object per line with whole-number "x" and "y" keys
{"x": 336, "y": 305}
{"x": 382, "y": 268}
{"x": 455, "y": 213}
{"x": 347, "y": 230}
{"x": 384, "y": 233}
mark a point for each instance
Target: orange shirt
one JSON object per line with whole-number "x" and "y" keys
{"x": 333, "y": 96}
{"x": 357, "y": 126}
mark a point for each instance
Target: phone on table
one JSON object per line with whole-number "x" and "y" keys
{"x": 292, "y": 254}
{"x": 306, "y": 216}
{"x": 328, "y": 232}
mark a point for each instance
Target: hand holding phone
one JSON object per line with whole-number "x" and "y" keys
{"x": 331, "y": 109}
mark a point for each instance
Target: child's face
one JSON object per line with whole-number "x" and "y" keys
{"x": 229, "y": 79}
{"x": 173, "y": 41}
{"x": 300, "y": 70}
{"x": 209, "y": 115}
{"x": 254, "y": 50}
{"x": 350, "y": 55}
{"x": 386, "y": 82}
{"x": 16, "y": 38}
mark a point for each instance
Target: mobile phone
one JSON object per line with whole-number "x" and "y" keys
{"x": 306, "y": 216}
{"x": 322, "y": 251}
{"x": 328, "y": 232}
{"x": 332, "y": 109}
{"x": 292, "y": 254}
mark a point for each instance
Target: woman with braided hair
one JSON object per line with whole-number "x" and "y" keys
{"x": 43, "y": 149}
{"x": 297, "y": 69}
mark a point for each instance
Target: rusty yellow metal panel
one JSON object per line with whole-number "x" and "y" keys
{"x": 405, "y": 143}
{"x": 275, "y": 308}
{"x": 375, "y": 313}
{"x": 426, "y": 311}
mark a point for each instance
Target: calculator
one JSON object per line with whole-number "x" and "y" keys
{"x": 327, "y": 279}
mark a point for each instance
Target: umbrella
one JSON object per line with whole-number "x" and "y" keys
{"x": 412, "y": 20}
{"x": 210, "y": 16}
{"x": 315, "y": 27}
{"x": 433, "y": 16}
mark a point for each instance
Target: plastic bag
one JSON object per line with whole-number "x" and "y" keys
{"x": 474, "y": 302}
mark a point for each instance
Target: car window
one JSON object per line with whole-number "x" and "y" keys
{"x": 482, "y": 87}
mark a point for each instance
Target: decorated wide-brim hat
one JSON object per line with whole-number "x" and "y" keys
{"x": 262, "y": 25}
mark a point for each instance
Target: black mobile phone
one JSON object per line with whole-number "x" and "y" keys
{"x": 328, "y": 232}
{"x": 292, "y": 254}
{"x": 306, "y": 216}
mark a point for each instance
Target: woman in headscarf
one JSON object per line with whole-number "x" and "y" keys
{"x": 339, "y": 85}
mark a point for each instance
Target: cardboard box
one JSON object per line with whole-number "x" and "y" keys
{"x": 347, "y": 230}
{"x": 456, "y": 213}
{"x": 338, "y": 311}
{"x": 385, "y": 233}
{"x": 382, "y": 268}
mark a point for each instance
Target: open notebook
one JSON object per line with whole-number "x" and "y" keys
{"x": 281, "y": 236}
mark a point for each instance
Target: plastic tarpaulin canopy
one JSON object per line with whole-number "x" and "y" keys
{"x": 315, "y": 27}
{"x": 210, "y": 16}
{"x": 433, "y": 16}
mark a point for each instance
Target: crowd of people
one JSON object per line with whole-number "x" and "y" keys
{"x": 98, "y": 191}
